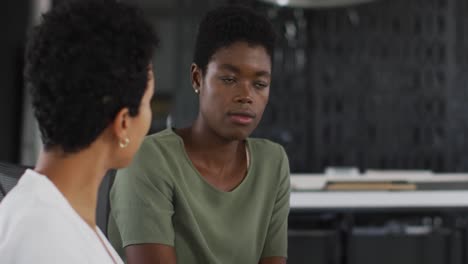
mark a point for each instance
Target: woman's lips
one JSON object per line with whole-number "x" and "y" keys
{"x": 241, "y": 119}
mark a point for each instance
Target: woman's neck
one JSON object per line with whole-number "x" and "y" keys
{"x": 77, "y": 176}
{"x": 208, "y": 146}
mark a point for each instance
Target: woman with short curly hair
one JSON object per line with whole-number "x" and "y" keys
{"x": 88, "y": 67}
{"x": 208, "y": 193}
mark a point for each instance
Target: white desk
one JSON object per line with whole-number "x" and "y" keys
{"x": 380, "y": 199}
{"x": 316, "y": 199}
{"x": 396, "y": 218}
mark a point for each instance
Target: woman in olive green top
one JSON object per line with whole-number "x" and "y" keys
{"x": 208, "y": 193}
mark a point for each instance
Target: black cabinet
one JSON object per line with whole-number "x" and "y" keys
{"x": 313, "y": 247}
{"x": 434, "y": 248}
{"x": 378, "y": 236}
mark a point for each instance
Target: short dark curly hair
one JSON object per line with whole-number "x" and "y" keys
{"x": 84, "y": 62}
{"x": 225, "y": 25}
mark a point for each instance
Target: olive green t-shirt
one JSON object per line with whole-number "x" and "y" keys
{"x": 161, "y": 198}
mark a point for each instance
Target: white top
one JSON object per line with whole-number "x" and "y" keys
{"x": 38, "y": 225}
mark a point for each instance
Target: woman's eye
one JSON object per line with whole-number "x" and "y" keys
{"x": 228, "y": 80}
{"x": 260, "y": 85}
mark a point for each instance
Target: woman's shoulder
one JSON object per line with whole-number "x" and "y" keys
{"x": 270, "y": 164}
{"x": 41, "y": 234}
{"x": 159, "y": 144}
{"x": 34, "y": 214}
{"x": 156, "y": 154}
{"x": 266, "y": 148}
{"x": 164, "y": 137}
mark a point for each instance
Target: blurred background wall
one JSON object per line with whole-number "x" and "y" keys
{"x": 374, "y": 85}
{"x": 13, "y": 28}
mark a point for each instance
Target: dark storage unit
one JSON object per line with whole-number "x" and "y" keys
{"x": 384, "y": 236}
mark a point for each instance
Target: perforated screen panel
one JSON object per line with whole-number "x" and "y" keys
{"x": 380, "y": 85}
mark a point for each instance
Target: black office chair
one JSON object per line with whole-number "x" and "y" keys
{"x": 103, "y": 206}
{"x": 9, "y": 176}
{"x": 11, "y": 173}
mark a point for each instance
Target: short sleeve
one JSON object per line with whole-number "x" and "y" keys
{"x": 276, "y": 243}
{"x": 142, "y": 200}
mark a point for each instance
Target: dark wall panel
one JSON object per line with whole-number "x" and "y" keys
{"x": 11, "y": 82}
{"x": 380, "y": 85}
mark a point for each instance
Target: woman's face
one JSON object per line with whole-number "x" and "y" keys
{"x": 139, "y": 125}
{"x": 234, "y": 89}
{"x": 142, "y": 121}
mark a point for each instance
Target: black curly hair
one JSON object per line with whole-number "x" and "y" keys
{"x": 225, "y": 25}
{"x": 86, "y": 61}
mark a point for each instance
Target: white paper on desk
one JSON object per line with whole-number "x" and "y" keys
{"x": 307, "y": 183}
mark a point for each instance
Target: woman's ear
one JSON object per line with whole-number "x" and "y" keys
{"x": 196, "y": 75}
{"x": 121, "y": 124}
